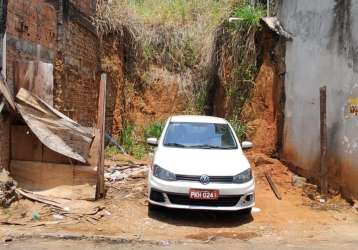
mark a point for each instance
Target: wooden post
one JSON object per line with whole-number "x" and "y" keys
{"x": 100, "y": 192}
{"x": 323, "y": 134}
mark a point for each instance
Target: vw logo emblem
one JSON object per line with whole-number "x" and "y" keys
{"x": 204, "y": 179}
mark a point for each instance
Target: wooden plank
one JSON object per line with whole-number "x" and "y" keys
{"x": 40, "y": 199}
{"x": 6, "y": 93}
{"x": 95, "y": 148}
{"x": 56, "y": 131}
{"x": 55, "y": 136}
{"x": 2, "y": 104}
{"x": 41, "y": 176}
{"x": 24, "y": 144}
{"x": 37, "y": 104}
{"x": 101, "y": 126}
{"x": 323, "y": 141}
{"x": 51, "y": 156}
{"x": 272, "y": 185}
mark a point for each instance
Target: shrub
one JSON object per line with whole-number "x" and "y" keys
{"x": 154, "y": 129}
{"x": 240, "y": 129}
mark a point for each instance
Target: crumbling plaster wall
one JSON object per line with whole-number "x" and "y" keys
{"x": 324, "y": 51}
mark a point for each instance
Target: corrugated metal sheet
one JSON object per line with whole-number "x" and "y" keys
{"x": 54, "y": 130}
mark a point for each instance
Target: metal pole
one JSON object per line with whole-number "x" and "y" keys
{"x": 323, "y": 134}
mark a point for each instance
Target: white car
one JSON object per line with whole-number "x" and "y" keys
{"x": 199, "y": 164}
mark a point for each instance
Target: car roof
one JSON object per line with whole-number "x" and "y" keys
{"x": 198, "y": 118}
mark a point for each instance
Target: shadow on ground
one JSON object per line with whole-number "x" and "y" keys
{"x": 197, "y": 218}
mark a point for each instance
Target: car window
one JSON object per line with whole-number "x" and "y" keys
{"x": 199, "y": 135}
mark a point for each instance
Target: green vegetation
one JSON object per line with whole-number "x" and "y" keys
{"x": 250, "y": 15}
{"x": 126, "y": 139}
{"x": 132, "y": 143}
{"x": 111, "y": 151}
{"x": 240, "y": 128}
{"x": 193, "y": 41}
{"x": 154, "y": 129}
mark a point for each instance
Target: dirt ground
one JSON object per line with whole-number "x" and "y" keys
{"x": 295, "y": 218}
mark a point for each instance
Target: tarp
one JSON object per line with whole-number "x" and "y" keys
{"x": 274, "y": 24}
{"x": 55, "y": 130}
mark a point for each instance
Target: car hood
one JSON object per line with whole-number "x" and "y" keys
{"x": 210, "y": 162}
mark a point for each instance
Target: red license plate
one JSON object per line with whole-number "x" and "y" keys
{"x": 199, "y": 194}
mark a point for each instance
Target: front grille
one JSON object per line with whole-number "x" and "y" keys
{"x": 217, "y": 179}
{"x": 223, "y": 201}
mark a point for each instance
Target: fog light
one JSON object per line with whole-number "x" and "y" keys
{"x": 249, "y": 198}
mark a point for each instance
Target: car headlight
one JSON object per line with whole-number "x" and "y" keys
{"x": 243, "y": 177}
{"x": 163, "y": 174}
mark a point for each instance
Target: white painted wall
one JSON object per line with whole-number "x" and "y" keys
{"x": 313, "y": 59}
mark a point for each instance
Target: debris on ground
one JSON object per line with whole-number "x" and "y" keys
{"x": 39, "y": 210}
{"x": 7, "y": 189}
{"x": 123, "y": 172}
{"x": 272, "y": 185}
{"x": 263, "y": 160}
{"x": 255, "y": 210}
{"x": 35, "y": 216}
{"x": 298, "y": 181}
{"x": 355, "y": 206}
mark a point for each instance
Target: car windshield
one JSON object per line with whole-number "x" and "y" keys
{"x": 199, "y": 135}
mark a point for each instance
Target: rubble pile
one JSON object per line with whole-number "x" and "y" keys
{"x": 8, "y": 192}
{"x": 117, "y": 172}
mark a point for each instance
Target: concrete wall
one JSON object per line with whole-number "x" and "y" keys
{"x": 324, "y": 51}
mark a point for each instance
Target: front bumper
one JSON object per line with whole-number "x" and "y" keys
{"x": 233, "y": 197}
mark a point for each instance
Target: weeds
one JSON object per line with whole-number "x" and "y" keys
{"x": 111, "y": 151}
{"x": 240, "y": 128}
{"x": 134, "y": 145}
{"x": 250, "y": 15}
{"x": 126, "y": 138}
{"x": 189, "y": 39}
{"x": 154, "y": 129}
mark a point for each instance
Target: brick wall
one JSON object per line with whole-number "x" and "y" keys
{"x": 37, "y": 29}
{"x": 31, "y": 33}
{"x": 112, "y": 64}
{"x": 77, "y": 75}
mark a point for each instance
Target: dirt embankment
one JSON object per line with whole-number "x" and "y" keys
{"x": 264, "y": 109}
{"x": 161, "y": 96}
{"x": 152, "y": 95}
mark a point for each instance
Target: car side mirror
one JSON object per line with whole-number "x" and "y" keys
{"x": 247, "y": 145}
{"x": 152, "y": 142}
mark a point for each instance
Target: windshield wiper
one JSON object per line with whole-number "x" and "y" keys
{"x": 174, "y": 144}
{"x": 206, "y": 146}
